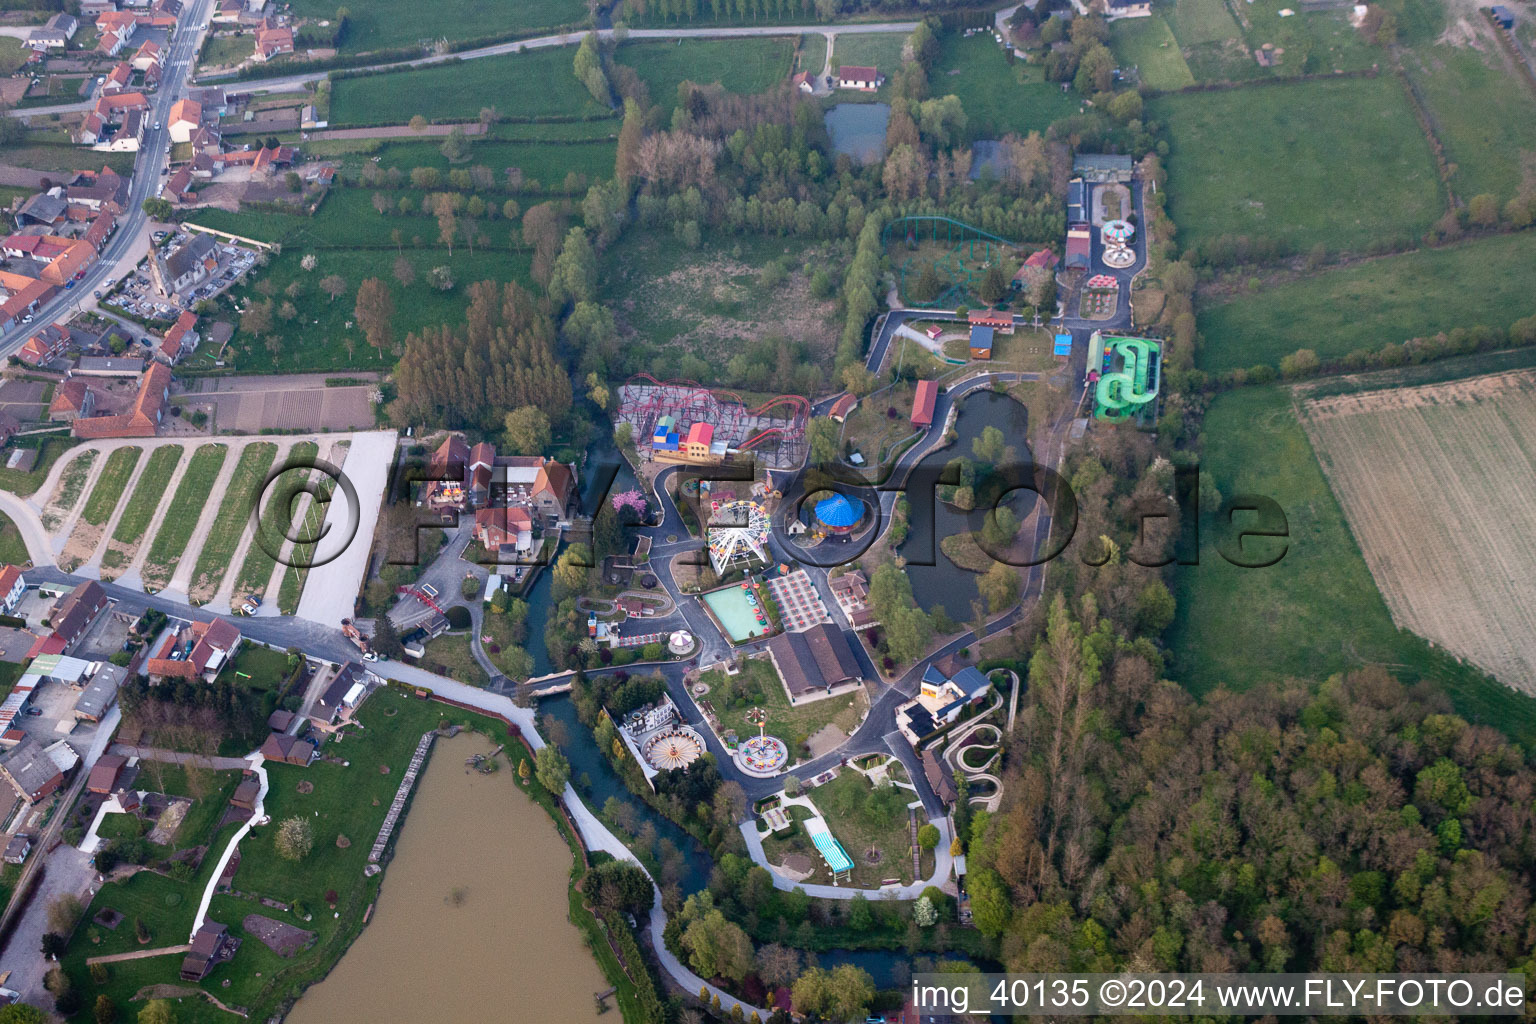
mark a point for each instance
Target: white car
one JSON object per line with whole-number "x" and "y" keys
{"x": 157, "y": 126}
{"x": 27, "y": 319}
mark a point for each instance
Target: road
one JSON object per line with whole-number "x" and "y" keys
{"x": 131, "y": 239}
{"x": 290, "y": 83}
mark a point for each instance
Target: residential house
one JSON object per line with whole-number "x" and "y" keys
{"x": 147, "y": 56}
{"x": 21, "y": 296}
{"x": 56, "y": 34}
{"x": 31, "y": 771}
{"x": 105, "y": 774}
{"x": 106, "y": 189}
{"x": 186, "y": 118}
{"x": 180, "y": 341}
{"x": 199, "y": 651}
{"x": 45, "y": 346}
{"x": 79, "y": 255}
{"x": 865, "y": 79}
{"x": 76, "y": 610}
{"x": 187, "y": 267}
{"x": 72, "y": 400}
{"x": 118, "y": 78}
{"x": 814, "y": 662}
{"x": 211, "y": 946}
{"x": 446, "y": 472}
{"x": 272, "y": 40}
{"x": 346, "y": 691}
{"x": 129, "y": 135}
{"x": 12, "y": 585}
{"x": 116, "y": 28}
{"x": 804, "y": 81}
{"x": 143, "y": 420}
{"x": 287, "y": 749}
{"x": 509, "y": 528}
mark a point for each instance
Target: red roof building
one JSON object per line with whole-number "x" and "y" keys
{"x": 922, "y": 403}
{"x": 842, "y": 407}
{"x": 1001, "y": 322}
{"x": 144, "y": 419}
{"x": 496, "y": 528}
{"x": 180, "y": 340}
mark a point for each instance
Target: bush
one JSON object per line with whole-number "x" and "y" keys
{"x": 928, "y": 836}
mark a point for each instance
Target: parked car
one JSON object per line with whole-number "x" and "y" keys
{"x": 68, "y": 285}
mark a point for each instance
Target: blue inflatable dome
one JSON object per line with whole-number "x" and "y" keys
{"x": 838, "y": 511}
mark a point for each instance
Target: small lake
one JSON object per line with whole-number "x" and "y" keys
{"x": 858, "y": 129}
{"x": 472, "y": 919}
{"x": 943, "y": 582}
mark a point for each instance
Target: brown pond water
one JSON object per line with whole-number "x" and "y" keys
{"x": 472, "y": 922}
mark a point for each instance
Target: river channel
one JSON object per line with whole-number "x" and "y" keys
{"x": 472, "y": 921}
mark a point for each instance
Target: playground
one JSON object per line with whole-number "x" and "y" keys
{"x": 940, "y": 262}
{"x": 1124, "y": 375}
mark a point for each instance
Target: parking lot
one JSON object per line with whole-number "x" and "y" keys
{"x": 104, "y": 637}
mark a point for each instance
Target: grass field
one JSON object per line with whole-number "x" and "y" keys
{"x": 256, "y": 572}
{"x": 1149, "y": 44}
{"x": 318, "y": 338}
{"x": 71, "y": 485}
{"x": 1337, "y": 163}
{"x": 881, "y": 50}
{"x": 1436, "y": 484}
{"x": 1195, "y": 22}
{"x": 27, "y": 483}
{"x": 813, "y": 53}
{"x": 539, "y": 161}
{"x": 1370, "y": 304}
{"x": 13, "y": 551}
{"x": 1484, "y": 114}
{"x": 221, "y": 50}
{"x": 1317, "y": 611}
{"x": 745, "y": 66}
{"x": 1315, "y": 42}
{"x": 998, "y": 97}
{"x": 141, "y": 508}
{"x": 109, "y": 485}
{"x": 186, "y": 506}
{"x": 673, "y": 301}
{"x": 383, "y": 24}
{"x": 61, "y": 158}
{"x": 13, "y": 54}
{"x": 537, "y": 83}
{"x": 232, "y": 519}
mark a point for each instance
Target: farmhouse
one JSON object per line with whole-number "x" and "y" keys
{"x": 815, "y": 662}
{"x": 923, "y": 401}
{"x": 865, "y": 79}
{"x": 143, "y": 420}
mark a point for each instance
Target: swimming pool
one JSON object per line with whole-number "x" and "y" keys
{"x": 737, "y": 614}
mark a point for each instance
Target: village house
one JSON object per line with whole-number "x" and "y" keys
{"x": 510, "y": 529}
{"x": 186, "y": 118}
{"x": 45, "y": 346}
{"x": 199, "y": 651}
{"x": 76, "y": 610}
{"x": 272, "y": 40}
{"x": 865, "y": 79}
{"x": 12, "y": 585}
{"x": 180, "y": 341}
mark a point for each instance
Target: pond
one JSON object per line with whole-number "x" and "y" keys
{"x": 858, "y": 129}
{"x": 473, "y": 907}
{"x": 942, "y": 583}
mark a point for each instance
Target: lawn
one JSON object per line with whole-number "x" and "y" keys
{"x": 275, "y": 526}
{"x": 1148, "y": 44}
{"x": 383, "y": 24}
{"x": 141, "y": 507}
{"x": 1484, "y": 114}
{"x": 109, "y": 485}
{"x": 880, "y": 50}
{"x": 1202, "y": 21}
{"x": 62, "y": 158}
{"x": 323, "y": 336}
{"x": 13, "y": 551}
{"x": 758, "y": 685}
{"x": 536, "y": 83}
{"x": 13, "y": 54}
{"x": 998, "y": 97}
{"x": 226, "y": 48}
{"x": 546, "y": 162}
{"x": 1317, "y": 611}
{"x": 258, "y": 668}
{"x": 1315, "y": 42}
{"x": 745, "y": 66}
{"x": 233, "y": 517}
{"x": 49, "y": 450}
{"x": 813, "y": 53}
{"x": 1371, "y": 304}
{"x": 451, "y": 655}
{"x": 1338, "y": 163}
{"x": 870, "y": 825}
{"x": 181, "y": 519}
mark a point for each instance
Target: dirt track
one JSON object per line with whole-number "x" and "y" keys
{"x": 1438, "y": 484}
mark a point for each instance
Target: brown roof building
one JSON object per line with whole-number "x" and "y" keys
{"x": 105, "y": 773}
{"x": 77, "y": 610}
{"x": 208, "y": 646}
{"x": 287, "y": 749}
{"x": 144, "y": 418}
{"x": 210, "y": 946}
{"x": 818, "y": 659}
